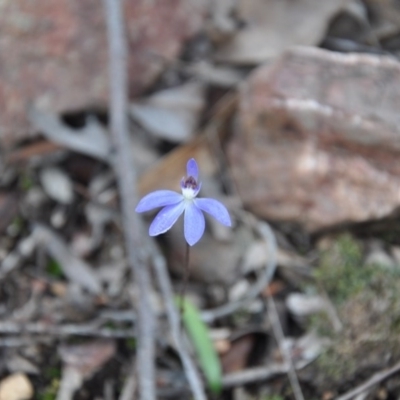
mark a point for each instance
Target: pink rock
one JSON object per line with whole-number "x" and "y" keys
{"x": 53, "y": 54}
{"x": 318, "y": 141}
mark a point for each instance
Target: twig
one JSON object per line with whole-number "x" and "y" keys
{"x": 127, "y": 185}
{"x": 252, "y": 375}
{"x": 22, "y": 341}
{"x": 38, "y": 328}
{"x": 266, "y": 232}
{"x": 128, "y": 390}
{"x": 164, "y": 282}
{"x": 377, "y": 378}
{"x": 278, "y": 332}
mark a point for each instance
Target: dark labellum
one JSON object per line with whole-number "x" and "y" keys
{"x": 189, "y": 183}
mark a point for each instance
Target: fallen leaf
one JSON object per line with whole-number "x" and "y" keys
{"x": 81, "y": 362}
{"x": 91, "y": 140}
{"x": 167, "y": 173}
{"x": 272, "y": 26}
{"x": 73, "y": 267}
{"x": 88, "y": 358}
{"x": 212, "y": 74}
{"x": 171, "y": 114}
{"x": 237, "y": 357}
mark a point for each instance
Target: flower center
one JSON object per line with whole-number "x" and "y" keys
{"x": 189, "y": 182}
{"x": 190, "y": 187}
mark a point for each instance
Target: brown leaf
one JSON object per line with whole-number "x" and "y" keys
{"x": 88, "y": 357}
{"x": 237, "y": 357}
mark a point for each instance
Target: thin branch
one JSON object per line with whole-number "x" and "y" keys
{"x": 38, "y": 328}
{"x": 278, "y": 332}
{"x": 377, "y": 378}
{"x": 126, "y": 175}
{"x": 129, "y": 388}
{"x": 252, "y": 375}
{"x": 189, "y": 366}
{"x": 21, "y": 341}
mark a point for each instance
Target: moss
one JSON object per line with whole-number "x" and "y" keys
{"x": 334, "y": 365}
{"x": 53, "y": 268}
{"x": 50, "y": 392}
{"x": 367, "y": 301}
{"x": 341, "y": 272}
{"x": 321, "y": 324}
{"x": 26, "y": 181}
{"x": 131, "y": 344}
{"x": 17, "y": 224}
{"x": 53, "y": 374}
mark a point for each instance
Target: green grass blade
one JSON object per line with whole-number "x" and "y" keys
{"x": 199, "y": 335}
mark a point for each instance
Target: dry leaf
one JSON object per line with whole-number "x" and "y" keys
{"x": 272, "y": 26}
{"x": 172, "y": 114}
{"x": 73, "y": 267}
{"x": 91, "y": 140}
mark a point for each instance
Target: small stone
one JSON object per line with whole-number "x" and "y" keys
{"x": 380, "y": 258}
{"x": 16, "y": 387}
{"x": 302, "y": 305}
{"x": 57, "y": 185}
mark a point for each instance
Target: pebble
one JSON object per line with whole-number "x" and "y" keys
{"x": 16, "y": 387}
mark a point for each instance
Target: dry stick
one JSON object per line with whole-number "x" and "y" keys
{"x": 126, "y": 175}
{"x": 38, "y": 328}
{"x": 278, "y": 332}
{"x": 192, "y": 374}
{"x": 377, "y": 378}
{"x": 252, "y": 375}
{"x": 21, "y": 342}
{"x": 129, "y": 388}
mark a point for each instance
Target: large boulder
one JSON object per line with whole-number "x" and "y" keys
{"x": 54, "y": 54}
{"x": 318, "y": 141}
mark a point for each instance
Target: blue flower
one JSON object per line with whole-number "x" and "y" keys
{"x": 175, "y": 204}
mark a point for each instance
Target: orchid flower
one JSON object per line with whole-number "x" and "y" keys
{"x": 174, "y": 204}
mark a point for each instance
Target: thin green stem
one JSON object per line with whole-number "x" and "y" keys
{"x": 185, "y": 279}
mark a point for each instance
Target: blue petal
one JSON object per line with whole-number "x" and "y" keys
{"x": 166, "y": 218}
{"x": 192, "y": 169}
{"x": 159, "y": 198}
{"x": 216, "y": 209}
{"x": 194, "y": 224}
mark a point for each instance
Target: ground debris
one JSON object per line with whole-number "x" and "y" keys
{"x": 299, "y": 143}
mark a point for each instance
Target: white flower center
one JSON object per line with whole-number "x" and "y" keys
{"x": 188, "y": 193}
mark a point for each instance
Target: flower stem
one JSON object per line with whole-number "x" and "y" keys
{"x": 185, "y": 279}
